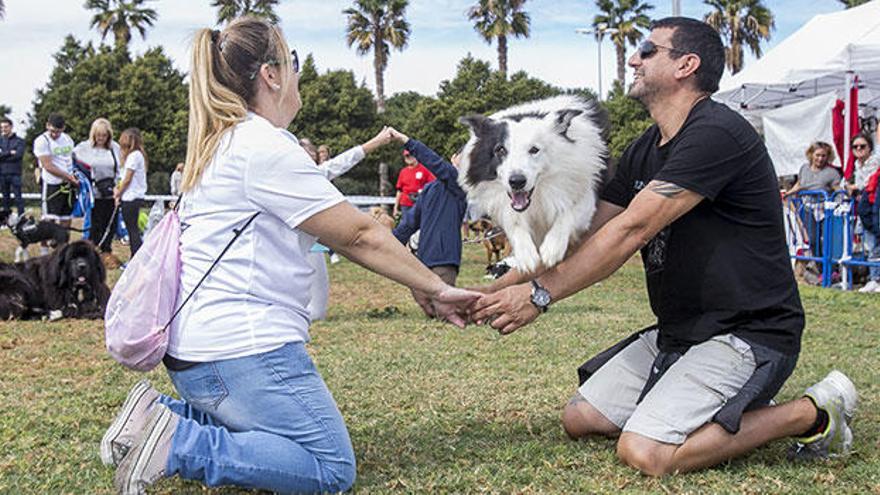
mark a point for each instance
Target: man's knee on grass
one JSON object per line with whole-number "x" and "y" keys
{"x": 581, "y": 419}
{"x": 651, "y": 457}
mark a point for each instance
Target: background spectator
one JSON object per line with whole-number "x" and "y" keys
{"x": 54, "y": 152}
{"x": 131, "y": 191}
{"x": 817, "y": 174}
{"x": 310, "y": 148}
{"x": 437, "y": 214}
{"x": 333, "y": 168}
{"x": 102, "y": 155}
{"x": 323, "y": 153}
{"x": 174, "y": 181}
{"x": 866, "y": 165}
{"x": 11, "y": 154}
{"x": 410, "y": 181}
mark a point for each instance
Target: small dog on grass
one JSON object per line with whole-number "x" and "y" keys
{"x": 493, "y": 239}
{"x": 30, "y": 231}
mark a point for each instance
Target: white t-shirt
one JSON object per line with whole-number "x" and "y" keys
{"x": 61, "y": 152}
{"x": 100, "y": 159}
{"x": 137, "y": 188}
{"x": 256, "y": 298}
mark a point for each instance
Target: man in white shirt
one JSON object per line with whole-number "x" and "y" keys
{"x": 54, "y": 152}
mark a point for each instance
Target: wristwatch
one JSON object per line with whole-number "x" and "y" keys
{"x": 540, "y": 296}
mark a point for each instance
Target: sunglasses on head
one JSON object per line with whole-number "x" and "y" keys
{"x": 648, "y": 49}
{"x": 294, "y": 64}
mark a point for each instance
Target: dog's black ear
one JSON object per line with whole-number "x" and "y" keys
{"x": 475, "y": 122}
{"x": 55, "y": 266}
{"x": 563, "y": 121}
{"x": 100, "y": 269}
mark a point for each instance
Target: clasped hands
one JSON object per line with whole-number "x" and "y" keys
{"x": 505, "y": 310}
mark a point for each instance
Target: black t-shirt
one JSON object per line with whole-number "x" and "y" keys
{"x": 723, "y": 267}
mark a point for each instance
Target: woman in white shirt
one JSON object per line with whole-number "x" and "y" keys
{"x": 131, "y": 191}
{"x": 102, "y": 155}
{"x": 254, "y": 412}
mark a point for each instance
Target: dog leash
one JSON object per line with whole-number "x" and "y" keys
{"x": 495, "y": 232}
{"x": 110, "y": 224}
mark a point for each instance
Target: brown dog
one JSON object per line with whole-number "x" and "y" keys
{"x": 494, "y": 240}
{"x": 379, "y": 215}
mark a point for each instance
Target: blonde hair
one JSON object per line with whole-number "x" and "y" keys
{"x": 131, "y": 140}
{"x": 98, "y": 125}
{"x": 825, "y": 146}
{"x": 223, "y": 84}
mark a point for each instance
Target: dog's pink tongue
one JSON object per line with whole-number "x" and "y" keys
{"x": 519, "y": 200}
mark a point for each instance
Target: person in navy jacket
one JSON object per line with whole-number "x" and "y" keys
{"x": 437, "y": 214}
{"x": 11, "y": 154}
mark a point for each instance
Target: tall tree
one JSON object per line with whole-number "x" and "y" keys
{"x": 120, "y": 17}
{"x": 740, "y": 22}
{"x": 230, "y": 9}
{"x": 498, "y": 19}
{"x": 627, "y": 17}
{"x": 378, "y": 25}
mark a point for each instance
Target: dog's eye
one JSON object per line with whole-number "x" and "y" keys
{"x": 534, "y": 150}
{"x": 500, "y": 151}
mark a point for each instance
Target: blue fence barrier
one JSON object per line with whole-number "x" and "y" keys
{"x": 823, "y": 228}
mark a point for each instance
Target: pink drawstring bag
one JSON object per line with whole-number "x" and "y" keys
{"x": 143, "y": 301}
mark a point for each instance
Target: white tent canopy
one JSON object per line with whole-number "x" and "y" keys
{"x": 816, "y": 59}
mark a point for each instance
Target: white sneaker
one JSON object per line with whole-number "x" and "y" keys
{"x": 837, "y": 395}
{"x": 334, "y": 258}
{"x": 871, "y": 286}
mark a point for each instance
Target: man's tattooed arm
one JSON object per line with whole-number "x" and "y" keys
{"x": 665, "y": 189}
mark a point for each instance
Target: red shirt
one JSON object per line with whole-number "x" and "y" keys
{"x": 412, "y": 180}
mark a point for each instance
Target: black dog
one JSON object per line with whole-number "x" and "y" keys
{"x": 29, "y": 231}
{"x": 69, "y": 283}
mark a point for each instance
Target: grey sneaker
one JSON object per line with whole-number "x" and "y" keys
{"x": 145, "y": 463}
{"x": 129, "y": 422}
{"x": 837, "y": 396}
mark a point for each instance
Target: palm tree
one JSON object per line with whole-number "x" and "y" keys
{"x": 741, "y": 22}
{"x": 230, "y": 9}
{"x": 377, "y": 25}
{"x": 853, "y": 3}
{"x": 120, "y": 17}
{"x": 498, "y": 19}
{"x": 626, "y": 17}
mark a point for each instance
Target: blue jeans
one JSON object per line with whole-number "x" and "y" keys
{"x": 872, "y": 253}
{"x": 266, "y": 421}
{"x": 10, "y": 184}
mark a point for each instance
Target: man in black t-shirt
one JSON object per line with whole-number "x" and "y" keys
{"x": 698, "y": 195}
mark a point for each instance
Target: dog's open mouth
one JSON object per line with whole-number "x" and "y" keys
{"x": 520, "y": 200}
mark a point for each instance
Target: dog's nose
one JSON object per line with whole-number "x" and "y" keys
{"x": 517, "y": 181}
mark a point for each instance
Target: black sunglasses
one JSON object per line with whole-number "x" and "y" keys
{"x": 859, "y": 146}
{"x": 648, "y": 49}
{"x": 294, "y": 64}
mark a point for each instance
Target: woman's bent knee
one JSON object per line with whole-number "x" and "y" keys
{"x": 339, "y": 476}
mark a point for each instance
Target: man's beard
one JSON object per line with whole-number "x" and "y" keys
{"x": 643, "y": 93}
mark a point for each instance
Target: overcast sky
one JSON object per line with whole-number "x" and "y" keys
{"x": 441, "y": 35}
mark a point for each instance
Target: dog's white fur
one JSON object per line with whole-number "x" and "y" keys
{"x": 563, "y": 175}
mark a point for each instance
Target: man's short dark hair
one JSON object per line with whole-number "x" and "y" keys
{"x": 697, "y": 37}
{"x": 5, "y": 120}
{"x": 56, "y": 121}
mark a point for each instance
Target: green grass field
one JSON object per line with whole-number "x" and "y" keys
{"x": 432, "y": 408}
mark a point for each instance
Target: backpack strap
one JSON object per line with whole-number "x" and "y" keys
{"x": 238, "y": 233}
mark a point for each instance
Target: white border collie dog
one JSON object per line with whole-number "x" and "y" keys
{"x": 536, "y": 169}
